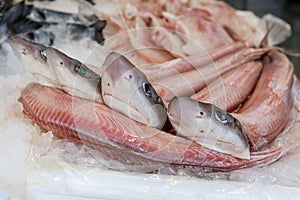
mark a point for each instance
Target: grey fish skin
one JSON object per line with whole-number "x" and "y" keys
{"x": 74, "y": 77}
{"x": 127, "y": 90}
{"x": 29, "y": 54}
{"x": 57, "y": 69}
{"x": 15, "y": 21}
{"x": 73, "y": 26}
{"x": 208, "y": 125}
{"x": 51, "y": 16}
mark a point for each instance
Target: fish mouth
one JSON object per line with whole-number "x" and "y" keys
{"x": 173, "y": 118}
{"x": 45, "y": 79}
{"x": 174, "y": 110}
{"x": 133, "y": 111}
{"x": 79, "y": 93}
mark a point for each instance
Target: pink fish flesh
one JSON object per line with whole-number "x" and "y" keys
{"x": 232, "y": 89}
{"x": 190, "y": 82}
{"x": 265, "y": 113}
{"x": 181, "y": 65}
{"x": 122, "y": 139}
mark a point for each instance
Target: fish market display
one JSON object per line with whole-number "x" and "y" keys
{"x": 123, "y": 139}
{"x": 185, "y": 85}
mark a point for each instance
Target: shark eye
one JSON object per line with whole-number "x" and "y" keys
{"x": 44, "y": 55}
{"x": 148, "y": 90}
{"x": 151, "y": 93}
{"x": 221, "y": 116}
{"x": 82, "y": 71}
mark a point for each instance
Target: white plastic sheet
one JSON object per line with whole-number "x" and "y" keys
{"x": 103, "y": 184}
{"x": 4, "y": 192}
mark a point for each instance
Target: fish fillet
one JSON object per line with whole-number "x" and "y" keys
{"x": 266, "y": 112}
{"x": 232, "y": 88}
{"x": 122, "y": 139}
{"x": 190, "y": 82}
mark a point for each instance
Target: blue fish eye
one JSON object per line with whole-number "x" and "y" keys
{"x": 82, "y": 71}
{"x": 221, "y": 116}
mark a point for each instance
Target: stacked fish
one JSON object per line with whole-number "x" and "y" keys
{"x": 186, "y": 85}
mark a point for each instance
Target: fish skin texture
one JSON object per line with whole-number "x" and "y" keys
{"x": 122, "y": 139}
{"x": 272, "y": 95}
{"x": 232, "y": 89}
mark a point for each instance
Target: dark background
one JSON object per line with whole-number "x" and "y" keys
{"x": 289, "y": 10}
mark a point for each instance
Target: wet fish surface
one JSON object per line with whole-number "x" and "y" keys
{"x": 58, "y": 69}
{"x": 209, "y": 125}
{"x": 194, "y": 80}
{"x": 127, "y": 90}
{"x": 182, "y": 65}
{"x": 272, "y": 95}
{"x": 122, "y": 139}
{"x": 29, "y": 54}
{"x": 258, "y": 117}
{"x": 232, "y": 89}
{"x": 74, "y": 77}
